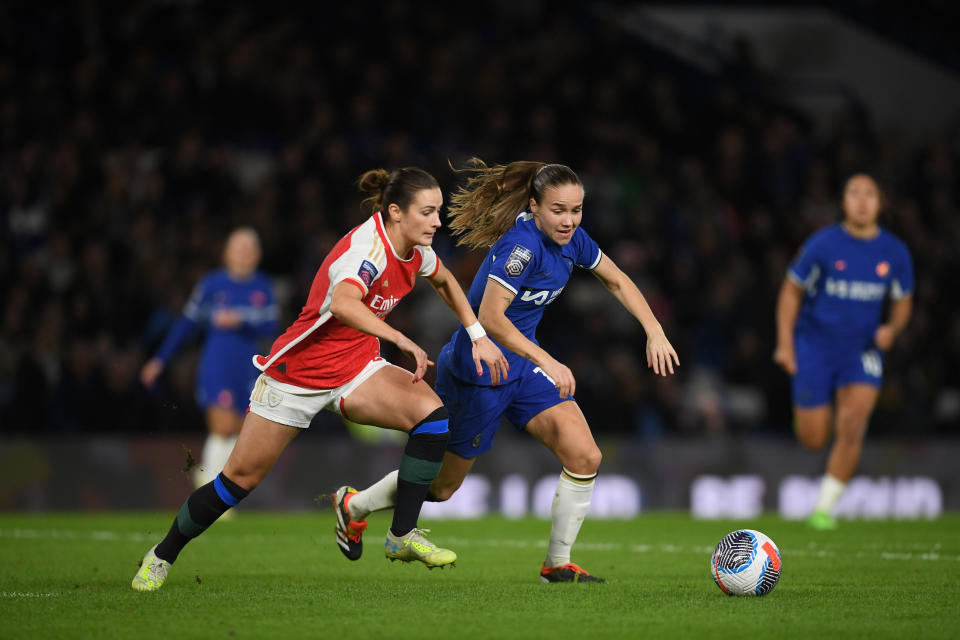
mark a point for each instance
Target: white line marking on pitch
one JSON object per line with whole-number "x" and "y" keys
{"x": 868, "y": 551}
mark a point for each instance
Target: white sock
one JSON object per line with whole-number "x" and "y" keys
{"x": 570, "y": 504}
{"x": 830, "y": 491}
{"x": 381, "y": 495}
{"x": 216, "y": 451}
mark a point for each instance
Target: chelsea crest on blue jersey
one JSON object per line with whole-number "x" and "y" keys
{"x": 535, "y": 269}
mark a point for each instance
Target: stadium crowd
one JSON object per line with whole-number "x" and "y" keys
{"x": 133, "y": 138}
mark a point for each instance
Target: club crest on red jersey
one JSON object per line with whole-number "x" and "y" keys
{"x": 517, "y": 261}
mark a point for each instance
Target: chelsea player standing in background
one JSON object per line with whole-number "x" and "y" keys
{"x": 236, "y": 307}
{"x": 528, "y": 214}
{"x": 830, "y": 333}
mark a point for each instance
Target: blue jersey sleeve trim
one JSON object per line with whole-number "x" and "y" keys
{"x": 502, "y": 282}
{"x": 795, "y": 279}
{"x": 597, "y": 261}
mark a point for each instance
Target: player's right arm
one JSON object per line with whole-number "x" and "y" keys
{"x": 346, "y": 305}
{"x": 182, "y": 329}
{"x": 493, "y": 317}
{"x": 788, "y": 308}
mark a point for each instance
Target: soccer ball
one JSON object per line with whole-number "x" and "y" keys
{"x": 746, "y": 563}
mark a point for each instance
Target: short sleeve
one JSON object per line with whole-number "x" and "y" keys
{"x": 430, "y": 263}
{"x": 511, "y": 260}
{"x": 361, "y": 264}
{"x": 805, "y": 268}
{"x": 901, "y": 283}
{"x": 588, "y": 251}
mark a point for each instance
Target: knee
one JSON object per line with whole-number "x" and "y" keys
{"x": 585, "y": 462}
{"x": 813, "y": 441}
{"x": 813, "y": 431}
{"x": 850, "y": 430}
{"x": 442, "y": 492}
{"x": 244, "y": 478}
{"x": 428, "y": 410}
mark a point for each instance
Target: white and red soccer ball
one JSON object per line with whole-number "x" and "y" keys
{"x": 746, "y": 563}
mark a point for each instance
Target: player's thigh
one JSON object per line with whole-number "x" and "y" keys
{"x": 813, "y": 387}
{"x": 223, "y": 422}
{"x": 855, "y": 403}
{"x": 813, "y": 425}
{"x": 260, "y": 443}
{"x": 452, "y": 473}
{"x": 390, "y": 399}
{"x": 564, "y": 430}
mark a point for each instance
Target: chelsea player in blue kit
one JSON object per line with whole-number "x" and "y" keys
{"x": 528, "y": 214}
{"x": 236, "y": 307}
{"x": 831, "y": 336}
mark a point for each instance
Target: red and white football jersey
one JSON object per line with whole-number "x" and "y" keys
{"x": 320, "y": 352}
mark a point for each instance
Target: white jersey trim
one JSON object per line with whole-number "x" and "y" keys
{"x": 300, "y": 338}
{"x": 502, "y": 282}
{"x": 597, "y": 261}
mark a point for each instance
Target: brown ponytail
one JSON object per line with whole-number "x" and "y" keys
{"x": 399, "y": 187}
{"x": 483, "y": 210}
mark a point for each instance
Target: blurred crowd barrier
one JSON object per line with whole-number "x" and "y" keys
{"x": 709, "y": 478}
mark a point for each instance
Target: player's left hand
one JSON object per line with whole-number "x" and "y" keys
{"x": 883, "y": 337}
{"x": 660, "y": 355}
{"x": 484, "y": 350}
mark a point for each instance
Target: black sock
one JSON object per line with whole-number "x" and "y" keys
{"x": 420, "y": 464}
{"x": 200, "y": 510}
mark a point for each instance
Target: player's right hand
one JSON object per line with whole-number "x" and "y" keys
{"x": 786, "y": 358}
{"x": 413, "y": 350}
{"x": 485, "y": 350}
{"x": 562, "y": 378}
{"x": 150, "y": 372}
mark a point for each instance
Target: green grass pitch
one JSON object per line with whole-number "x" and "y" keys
{"x": 266, "y": 575}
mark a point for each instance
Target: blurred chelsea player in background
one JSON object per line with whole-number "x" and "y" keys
{"x": 831, "y": 336}
{"x": 528, "y": 215}
{"x": 236, "y": 307}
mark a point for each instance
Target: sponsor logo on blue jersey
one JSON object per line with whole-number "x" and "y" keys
{"x": 855, "y": 289}
{"x": 367, "y": 272}
{"x": 517, "y": 261}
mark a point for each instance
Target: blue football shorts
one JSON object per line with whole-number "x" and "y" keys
{"x": 476, "y": 411}
{"x": 822, "y": 370}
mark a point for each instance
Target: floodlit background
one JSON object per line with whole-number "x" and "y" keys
{"x": 712, "y": 140}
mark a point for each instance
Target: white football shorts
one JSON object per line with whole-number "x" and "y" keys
{"x": 295, "y": 406}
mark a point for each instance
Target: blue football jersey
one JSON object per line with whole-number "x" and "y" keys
{"x": 226, "y": 350}
{"x": 846, "y": 280}
{"x": 534, "y": 268}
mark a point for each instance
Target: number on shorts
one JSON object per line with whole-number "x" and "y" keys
{"x": 872, "y": 364}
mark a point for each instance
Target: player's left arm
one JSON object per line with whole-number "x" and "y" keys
{"x": 901, "y": 306}
{"x": 900, "y": 312}
{"x": 484, "y": 349}
{"x": 660, "y": 353}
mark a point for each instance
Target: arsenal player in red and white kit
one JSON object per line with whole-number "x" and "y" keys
{"x": 330, "y": 359}
{"x": 319, "y": 351}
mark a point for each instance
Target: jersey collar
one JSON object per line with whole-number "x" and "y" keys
{"x": 378, "y": 218}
